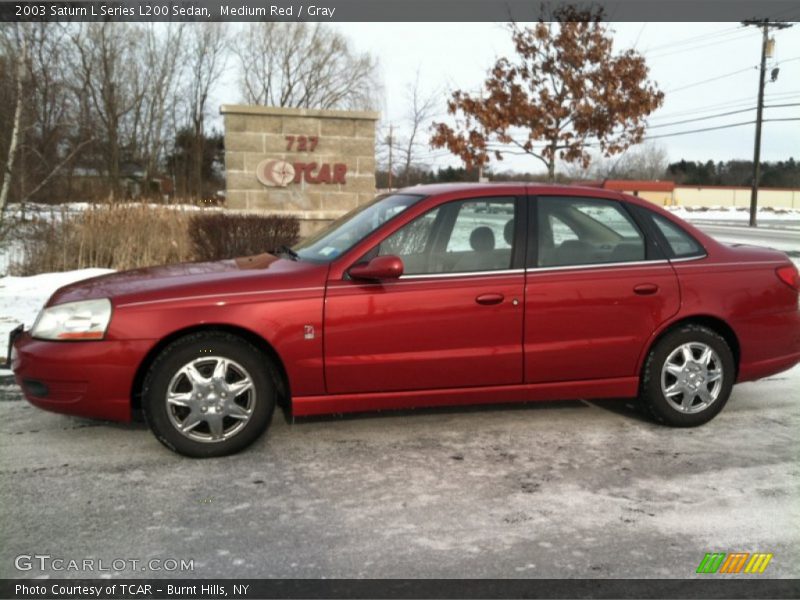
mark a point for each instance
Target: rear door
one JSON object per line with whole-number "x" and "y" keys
{"x": 596, "y": 289}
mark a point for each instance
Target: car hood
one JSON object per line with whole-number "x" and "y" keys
{"x": 186, "y": 280}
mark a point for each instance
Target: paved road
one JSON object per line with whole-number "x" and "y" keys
{"x": 754, "y": 233}
{"x": 551, "y": 490}
{"x": 783, "y": 238}
{"x": 763, "y": 222}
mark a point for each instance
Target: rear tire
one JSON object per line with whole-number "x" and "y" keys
{"x": 687, "y": 377}
{"x": 209, "y": 394}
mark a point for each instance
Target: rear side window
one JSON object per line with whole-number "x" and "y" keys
{"x": 680, "y": 242}
{"x": 586, "y": 231}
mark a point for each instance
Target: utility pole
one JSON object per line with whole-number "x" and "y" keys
{"x": 391, "y": 143}
{"x": 765, "y": 25}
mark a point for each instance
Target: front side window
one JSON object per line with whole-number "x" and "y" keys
{"x": 350, "y": 229}
{"x": 458, "y": 237}
{"x": 586, "y": 231}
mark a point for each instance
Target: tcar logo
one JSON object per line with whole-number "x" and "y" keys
{"x": 735, "y": 562}
{"x": 279, "y": 173}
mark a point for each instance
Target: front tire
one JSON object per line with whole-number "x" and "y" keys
{"x": 688, "y": 377}
{"x": 209, "y": 394}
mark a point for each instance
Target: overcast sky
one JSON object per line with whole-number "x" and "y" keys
{"x": 458, "y": 55}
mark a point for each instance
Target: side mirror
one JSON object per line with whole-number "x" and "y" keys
{"x": 380, "y": 267}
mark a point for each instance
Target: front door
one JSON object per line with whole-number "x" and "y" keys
{"x": 453, "y": 320}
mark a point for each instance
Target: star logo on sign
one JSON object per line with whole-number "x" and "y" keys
{"x": 275, "y": 173}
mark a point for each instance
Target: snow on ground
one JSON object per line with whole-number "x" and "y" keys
{"x": 10, "y": 253}
{"x": 32, "y": 209}
{"x": 730, "y": 213}
{"x": 21, "y": 298}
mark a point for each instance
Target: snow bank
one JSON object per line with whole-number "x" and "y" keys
{"x": 21, "y": 298}
{"x": 722, "y": 213}
{"x": 54, "y": 211}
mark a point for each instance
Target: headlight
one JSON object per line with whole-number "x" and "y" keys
{"x": 86, "y": 320}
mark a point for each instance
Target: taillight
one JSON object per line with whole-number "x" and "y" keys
{"x": 789, "y": 276}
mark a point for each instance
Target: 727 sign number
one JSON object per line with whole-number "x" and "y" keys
{"x": 301, "y": 143}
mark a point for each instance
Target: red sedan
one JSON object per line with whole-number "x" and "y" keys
{"x": 435, "y": 295}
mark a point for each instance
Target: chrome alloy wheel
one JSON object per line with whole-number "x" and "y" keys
{"x": 210, "y": 399}
{"x": 691, "y": 379}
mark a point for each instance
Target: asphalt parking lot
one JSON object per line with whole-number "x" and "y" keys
{"x": 571, "y": 489}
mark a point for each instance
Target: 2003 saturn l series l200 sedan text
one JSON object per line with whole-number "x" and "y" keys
{"x": 435, "y": 295}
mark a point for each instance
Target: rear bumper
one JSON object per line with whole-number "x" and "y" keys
{"x": 770, "y": 344}
{"x": 88, "y": 379}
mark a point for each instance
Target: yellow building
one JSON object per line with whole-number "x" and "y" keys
{"x": 667, "y": 193}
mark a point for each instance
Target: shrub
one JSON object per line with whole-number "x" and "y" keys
{"x": 104, "y": 236}
{"x": 218, "y": 235}
{"x": 139, "y": 235}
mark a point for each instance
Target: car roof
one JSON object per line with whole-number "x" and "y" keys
{"x": 536, "y": 188}
{"x": 532, "y": 186}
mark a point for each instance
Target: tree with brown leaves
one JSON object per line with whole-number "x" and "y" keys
{"x": 564, "y": 92}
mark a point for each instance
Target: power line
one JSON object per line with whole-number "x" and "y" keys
{"x": 725, "y": 114}
{"x": 731, "y": 74}
{"x": 710, "y": 80}
{"x": 503, "y": 147}
{"x": 728, "y": 126}
{"x": 734, "y": 103}
{"x": 700, "y": 110}
{"x": 722, "y": 32}
{"x": 701, "y": 40}
{"x": 781, "y": 105}
{"x": 748, "y": 34}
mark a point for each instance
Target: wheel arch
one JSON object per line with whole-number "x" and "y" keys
{"x": 284, "y": 390}
{"x": 714, "y": 323}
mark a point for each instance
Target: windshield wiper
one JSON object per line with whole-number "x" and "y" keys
{"x": 284, "y": 249}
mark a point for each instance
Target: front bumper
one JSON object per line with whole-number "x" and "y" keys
{"x": 88, "y": 379}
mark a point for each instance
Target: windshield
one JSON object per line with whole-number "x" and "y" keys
{"x": 347, "y": 231}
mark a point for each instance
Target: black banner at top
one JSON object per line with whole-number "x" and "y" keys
{"x": 392, "y": 10}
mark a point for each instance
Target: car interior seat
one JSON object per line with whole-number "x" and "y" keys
{"x": 627, "y": 252}
{"x": 508, "y": 232}
{"x": 482, "y": 257}
{"x": 572, "y": 252}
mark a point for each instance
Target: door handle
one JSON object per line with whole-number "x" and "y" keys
{"x": 645, "y": 289}
{"x": 487, "y": 299}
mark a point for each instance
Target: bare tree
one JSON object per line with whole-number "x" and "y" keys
{"x": 304, "y": 65}
{"x": 645, "y": 161}
{"x": 648, "y": 160}
{"x": 407, "y": 137}
{"x": 206, "y": 59}
{"x": 17, "y": 121}
{"x": 46, "y": 135}
{"x": 162, "y": 59}
{"x": 421, "y": 109}
{"x": 113, "y": 82}
{"x": 46, "y": 110}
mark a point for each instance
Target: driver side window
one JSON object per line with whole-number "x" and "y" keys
{"x": 410, "y": 242}
{"x": 458, "y": 237}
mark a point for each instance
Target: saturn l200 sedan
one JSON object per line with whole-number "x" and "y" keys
{"x": 434, "y": 295}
